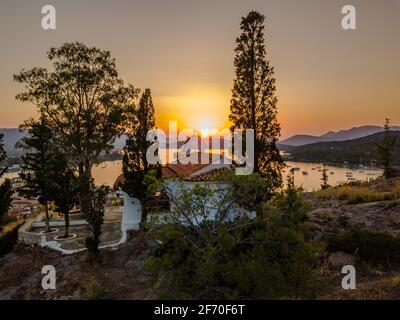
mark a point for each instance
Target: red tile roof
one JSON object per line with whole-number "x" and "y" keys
{"x": 171, "y": 170}
{"x": 208, "y": 176}
{"x": 181, "y": 170}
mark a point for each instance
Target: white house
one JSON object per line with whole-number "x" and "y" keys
{"x": 189, "y": 174}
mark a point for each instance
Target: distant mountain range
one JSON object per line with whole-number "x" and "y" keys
{"x": 350, "y": 134}
{"x": 356, "y": 151}
{"x": 13, "y": 135}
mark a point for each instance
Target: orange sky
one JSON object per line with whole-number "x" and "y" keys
{"x": 327, "y": 78}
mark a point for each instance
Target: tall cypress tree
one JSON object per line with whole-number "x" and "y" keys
{"x": 135, "y": 165}
{"x": 254, "y": 102}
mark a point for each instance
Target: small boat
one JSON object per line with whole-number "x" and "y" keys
{"x": 305, "y": 173}
{"x": 295, "y": 169}
{"x": 332, "y": 172}
{"x": 351, "y": 179}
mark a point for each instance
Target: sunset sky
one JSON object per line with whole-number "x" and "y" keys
{"x": 327, "y": 78}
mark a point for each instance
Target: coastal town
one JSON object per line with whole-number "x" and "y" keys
{"x": 197, "y": 151}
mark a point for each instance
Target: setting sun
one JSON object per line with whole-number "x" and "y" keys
{"x": 202, "y": 109}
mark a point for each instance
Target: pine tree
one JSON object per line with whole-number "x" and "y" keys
{"x": 3, "y": 156}
{"x": 36, "y": 164}
{"x": 95, "y": 218}
{"x": 65, "y": 186}
{"x": 386, "y": 149}
{"x": 6, "y": 193}
{"x": 254, "y": 102}
{"x": 135, "y": 165}
{"x": 5, "y": 187}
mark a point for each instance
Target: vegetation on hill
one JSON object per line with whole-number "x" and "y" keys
{"x": 357, "y": 151}
{"x": 350, "y": 134}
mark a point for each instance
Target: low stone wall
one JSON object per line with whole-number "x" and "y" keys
{"x": 31, "y": 237}
{"x": 60, "y": 223}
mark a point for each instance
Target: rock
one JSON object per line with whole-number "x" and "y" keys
{"x": 316, "y": 230}
{"x": 377, "y": 273}
{"x": 8, "y": 294}
{"x": 320, "y": 215}
{"x": 340, "y": 259}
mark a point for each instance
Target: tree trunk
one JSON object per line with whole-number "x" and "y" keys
{"x": 143, "y": 219}
{"x": 254, "y": 108}
{"x": 47, "y": 217}
{"x": 84, "y": 181}
{"x": 66, "y": 217}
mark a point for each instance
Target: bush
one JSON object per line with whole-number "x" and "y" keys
{"x": 8, "y": 237}
{"x": 93, "y": 289}
{"x": 8, "y": 219}
{"x": 370, "y": 246}
{"x": 243, "y": 259}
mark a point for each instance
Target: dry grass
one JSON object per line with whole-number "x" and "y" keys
{"x": 383, "y": 288}
{"x": 354, "y": 194}
{"x": 9, "y": 227}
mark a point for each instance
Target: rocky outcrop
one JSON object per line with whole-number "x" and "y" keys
{"x": 119, "y": 273}
{"x": 333, "y": 216}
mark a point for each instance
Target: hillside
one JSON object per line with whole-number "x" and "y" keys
{"x": 359, "y": 151}
{"x": 350, "y": 134}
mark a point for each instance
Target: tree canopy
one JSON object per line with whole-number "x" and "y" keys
{"x": 87, "y": 105}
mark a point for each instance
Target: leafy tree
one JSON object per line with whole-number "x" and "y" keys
{"x": 254, "y": 102}
{"x": 85, "y": 102}
{"x": 5, "y": 187}
{"x": 37, "y": 163}
{"x": 386, "y": 149}
{"x": 65, "y": 187}
{"x": 138, "y": 173}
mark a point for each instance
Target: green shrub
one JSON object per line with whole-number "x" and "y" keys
{"x": 8, "y": 219}
{"x": 242, "y": 259}
{"x": 369, "y": 246}
{"x": 8, "y": 237}
{"x": 93, "y": 289}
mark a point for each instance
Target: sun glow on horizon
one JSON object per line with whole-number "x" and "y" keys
{"x": 202, "y": 109}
